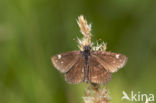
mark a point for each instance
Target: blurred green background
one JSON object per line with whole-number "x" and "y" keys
{"x": 31, "y": 31}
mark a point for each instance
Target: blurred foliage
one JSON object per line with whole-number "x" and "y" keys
{"x": 31, "y": 31}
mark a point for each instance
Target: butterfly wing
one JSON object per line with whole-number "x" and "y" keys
{"x": 63, "y": 62}
{"x": 97, "y": 73}
{"x": 110, "y": 61}
{"x": 75, "y": 74}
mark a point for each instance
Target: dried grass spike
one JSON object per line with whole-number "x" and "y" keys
{"x": 96, "y": 95}
{"x": 85, "y": 29}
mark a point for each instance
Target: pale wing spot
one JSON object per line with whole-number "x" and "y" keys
{"x": 59, "y": 56}
{"x": 61, "y": 62}
{"x": 82, "y": 70}
{"x": 119, "y": 66}
{"x": 94, "y": 77}
{"x": 117, "y": 56}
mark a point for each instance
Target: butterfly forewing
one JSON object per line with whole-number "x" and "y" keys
{"x": 63, "y": 62}
{"x": 110, "y": 61}
{"x": 75, "y": 74}
{"x": 97, "y": 73}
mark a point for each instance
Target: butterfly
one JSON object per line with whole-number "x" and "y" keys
{"x": 94, "y": 66}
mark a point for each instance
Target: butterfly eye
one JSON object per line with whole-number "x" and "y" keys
{"x": 87, "y": 48}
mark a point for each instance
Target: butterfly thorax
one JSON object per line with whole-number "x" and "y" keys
{"x": 86, "y": 52}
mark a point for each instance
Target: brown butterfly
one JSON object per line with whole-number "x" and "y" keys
{"x": 88, "y": 65}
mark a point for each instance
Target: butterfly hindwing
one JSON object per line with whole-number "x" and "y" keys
{"x": 63, "y": 62}
{"x": 97, "y": 73}
{"x": 75, "y": 74}
{"x": 110, "y": 61}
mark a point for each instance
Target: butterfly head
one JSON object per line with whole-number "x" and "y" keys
{"x": 87, "y": 48}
